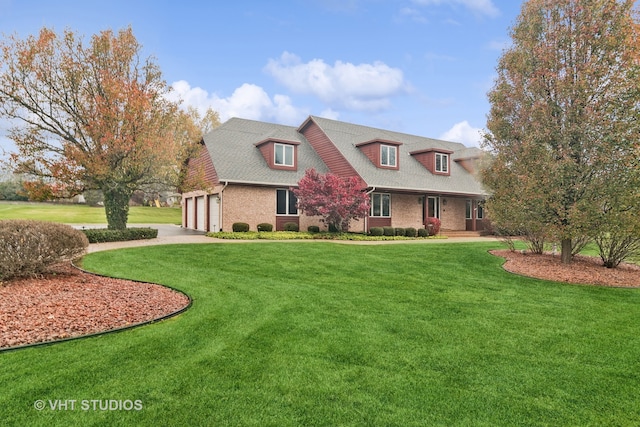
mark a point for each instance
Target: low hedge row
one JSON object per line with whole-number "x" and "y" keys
{"x": 29, "y": 248}
{"x": 397, "y": 231}
{"x": 103, "y": 235}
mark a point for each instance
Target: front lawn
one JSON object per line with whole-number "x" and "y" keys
{"x": 322, "y": 333}
{"x": 83, "y": 214}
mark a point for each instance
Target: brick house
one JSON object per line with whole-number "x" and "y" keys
{"x": 249, "y": 167}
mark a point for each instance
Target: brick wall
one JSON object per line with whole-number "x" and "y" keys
{"x": 406, "y": 211}
{"x": 452, "y": 215}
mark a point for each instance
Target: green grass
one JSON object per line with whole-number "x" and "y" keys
{"x": 327, "y": 334}
{"x": 82, "y": 214}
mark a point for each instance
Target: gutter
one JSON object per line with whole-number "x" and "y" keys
{"x": 221, "y": 204}
{"x": 366, "y": 218}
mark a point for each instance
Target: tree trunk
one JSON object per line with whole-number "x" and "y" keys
{"x": 565, "y": 255}
{"x": 116, "y": 206}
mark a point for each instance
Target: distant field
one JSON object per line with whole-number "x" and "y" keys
{"x": 82, "y": 214}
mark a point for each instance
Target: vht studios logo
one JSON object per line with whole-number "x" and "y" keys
{"x": 88, "y": 405}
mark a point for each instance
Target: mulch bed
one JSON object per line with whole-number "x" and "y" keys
{"x": 583, "y": 270}
{"x": 68, "y": 302}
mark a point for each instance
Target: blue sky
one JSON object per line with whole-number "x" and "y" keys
{"x": 416, "y": 66}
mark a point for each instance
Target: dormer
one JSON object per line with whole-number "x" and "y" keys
{"x": 279, "y": 153}
{"x": 436, "y": 160}
{"x": 382, "y": 153}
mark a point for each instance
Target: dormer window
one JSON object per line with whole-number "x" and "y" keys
{"x": 382, "y": 153}
{"x": 388, "y": 155}
{"x": 442, "y": 163}
{"x": 283, "y": 155}
{"x": 436, "y": 160}
{"x": 279, "y": 153}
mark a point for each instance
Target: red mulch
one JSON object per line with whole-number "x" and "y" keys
{"x": 583, "y": 270}
{"x": 68, "y": 303}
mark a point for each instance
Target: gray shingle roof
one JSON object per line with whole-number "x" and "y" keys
{"x": 412, "y": 175}
{"x": 237, "y": 159}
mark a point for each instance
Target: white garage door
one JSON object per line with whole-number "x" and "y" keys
{"x": 200, "y": 213}
{"x": 190, "y": 212}
{"x": 214, "y": 214}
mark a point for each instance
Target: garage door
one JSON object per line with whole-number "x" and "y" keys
{"x": 214, "y": 214}
{"x": 200, "y": 213}
{"x": 190, "y": 213}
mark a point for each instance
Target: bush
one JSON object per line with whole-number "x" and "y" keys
{"x": 264, "y": 227}
{"x": 30, "y": 247}
{"x": 102, "y": 235}
{"x": 290, "y": 226}
{"x": 423, "y": 232}
{"x": 433, "y": 225}
{"x": 388, "y": 231}
{"x": 376, "y": 231}
{"x": 410, "y": 232}
{"x": 313, "y": 229}
{"x": 240, "y": 227}
{"x": 399, "y": 231}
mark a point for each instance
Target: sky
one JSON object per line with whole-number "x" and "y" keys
{"x": 422, "y": 67}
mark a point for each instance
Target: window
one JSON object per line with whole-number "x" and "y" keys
{"x": 442, "y": 163}
{"x": 480, "y": 211}
{"x": 286, "y": 203}
{"x": 380, "y": 204}
{"x": 388, "y": 155}
{"x": 433, "y": 207}
{"x": 468, "y": 209}
{"x": 283, "y": 154}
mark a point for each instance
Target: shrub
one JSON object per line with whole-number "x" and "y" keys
{"x": 240, "y": 227}
{"x": 399, "y": 231}
{"x": 433, "y": 225}
{"x": 264, "y": 227}
{"x": 102, "y": 235}
{"x": 290, "y": 226}
{"x": 410, "y": 232}
{"x": 376, "y": 231}
{"x": 313, "y": 229}
{"x": 423, "y": 232}
{"x": 30, "y": 247}
{"x": 388, "y": 231}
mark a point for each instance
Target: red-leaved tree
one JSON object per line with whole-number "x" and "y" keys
{"x": 336, "y": 199}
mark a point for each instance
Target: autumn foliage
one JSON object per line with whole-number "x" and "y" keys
{"x": 93, "y": 116}
{"x": 563, "y": 122}
{"x": 335, "y": 199}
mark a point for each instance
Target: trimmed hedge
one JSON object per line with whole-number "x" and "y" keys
{"x": 389, "y": 231}
{"x": 376, "y": 231}
{"x": 399, "y": 231}
{"x": 29, "y": 247}
{"x": 265, "y": 227}
{"x": 103, "y": 235}
{"x": 423, "y": 232}
{"x": 410, "y": 232}
{"x": 291, "y": 226}
{"x": 240, "y": 227}
{"x": 313, "y": 229}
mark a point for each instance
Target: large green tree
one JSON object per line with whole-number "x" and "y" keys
{"x": 91, "y": 116}
{"x": 564, "y": 111}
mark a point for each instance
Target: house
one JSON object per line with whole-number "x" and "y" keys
{"x": 246, "y": 169}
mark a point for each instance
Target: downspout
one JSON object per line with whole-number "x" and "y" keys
{"x": 366, "y": 218}
{"x": 221, "y": 205}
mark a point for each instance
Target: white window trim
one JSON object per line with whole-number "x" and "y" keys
{"x": 287, "y": 200}
{"x": 284, "y": 154}
{"x": 444, "y": 161}
{"x": 381, "y": 205}
{"x": 395, "y": 155}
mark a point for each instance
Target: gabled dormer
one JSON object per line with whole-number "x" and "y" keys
{"x": 279, "y": 153}
{"x": 436, "y": 160}
{"x": 382, "y": 153}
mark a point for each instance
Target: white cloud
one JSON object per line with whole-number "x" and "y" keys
{"x": 481, "y": 7}
{"x": 363, "y": 87}
{"x": 464, "y": 133}
{"x": 248, "y": 101}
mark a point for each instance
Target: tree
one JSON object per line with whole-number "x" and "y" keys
{"x": 91, "y": 117}
{"x": 336, "y": 199}
{"x": 564, "y": 110}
